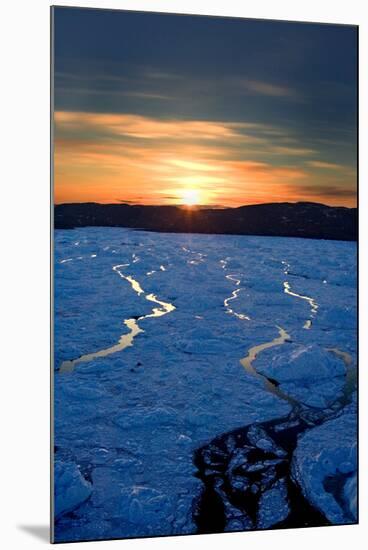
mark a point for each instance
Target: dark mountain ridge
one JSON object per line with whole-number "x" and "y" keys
{"x": 301, "y": 219}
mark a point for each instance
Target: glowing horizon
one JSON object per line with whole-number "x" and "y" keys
{"x": 128, "y": 158}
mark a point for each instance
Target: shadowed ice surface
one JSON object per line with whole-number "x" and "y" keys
{"x": 169, "y": 346}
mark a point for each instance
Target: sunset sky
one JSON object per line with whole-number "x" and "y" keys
{"x": 167, "y": 109}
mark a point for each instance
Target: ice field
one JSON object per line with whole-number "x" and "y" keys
{"x": 202, "y": 383}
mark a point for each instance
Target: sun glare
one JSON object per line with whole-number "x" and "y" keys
{"x": 190, "y": 197}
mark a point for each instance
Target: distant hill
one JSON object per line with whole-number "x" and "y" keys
{"x": 301, "y": 219}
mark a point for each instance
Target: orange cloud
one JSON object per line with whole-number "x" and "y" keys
{"x": 267, "y": 88}
{"x": 324, "y": 165}
{"x": 138, "y": 126}
{"x": 112, "y": 157}
{"x": 292, "y": 151}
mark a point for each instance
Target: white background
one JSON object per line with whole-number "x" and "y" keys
{"x": 24, "y": 271}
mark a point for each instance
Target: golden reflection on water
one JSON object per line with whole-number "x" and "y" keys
{"x": 350, "y": 378}
{"x": 233, "y": 296}
{"x": 125, "y": 340}
{"x": 247, "y": 363}
{"x": 311, "y": 301}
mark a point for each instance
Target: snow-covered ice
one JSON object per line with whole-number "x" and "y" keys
{"x": 71, "y": 487}
{"x": 326, "y": 467}
{"x": 150, "y": 329}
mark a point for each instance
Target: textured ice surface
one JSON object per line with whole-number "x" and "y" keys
{"x": 308, "y": 373}
{"x": 325, "y": 466}
{"x": 71, "y": 489}
{"x": 131, "y": 421}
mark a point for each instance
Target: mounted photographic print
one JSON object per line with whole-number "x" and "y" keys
{"x": 204, "y": 187}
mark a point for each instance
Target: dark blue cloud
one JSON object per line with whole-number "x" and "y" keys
{"x": 300, "y": 76}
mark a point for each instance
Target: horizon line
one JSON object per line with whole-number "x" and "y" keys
{"x": 201, "y": 206}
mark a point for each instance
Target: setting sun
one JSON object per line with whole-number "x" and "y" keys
{"x": 190, "y": 197}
